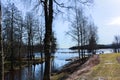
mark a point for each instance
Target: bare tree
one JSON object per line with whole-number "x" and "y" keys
{"x": 1, "y": 47}
{"x": 11, "y": 29}
{"x": 83, "y": 33}
{"x": 30, "y": 26}
{"x": 6, "y": 31}
{"x": 93, "y": 38}
{"x": 49, "y": 7}
{"x": 41, "y": 32}
{"x": 78, "y": 31}
{"x": 20, "y": 42}
{"x": 116, "y": 44}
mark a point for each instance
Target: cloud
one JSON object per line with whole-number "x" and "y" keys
{"x": 115, "y": 21}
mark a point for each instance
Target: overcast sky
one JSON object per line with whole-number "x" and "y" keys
{"x": 106, "y": 15}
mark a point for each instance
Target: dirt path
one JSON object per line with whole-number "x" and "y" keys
{"x": 84, "y": 68}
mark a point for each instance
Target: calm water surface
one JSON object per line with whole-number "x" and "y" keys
{"x": 35, "y": 72}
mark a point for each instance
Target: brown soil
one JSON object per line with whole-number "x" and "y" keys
{"x": 84, "y": 68}
{"x": 76, "y": 68}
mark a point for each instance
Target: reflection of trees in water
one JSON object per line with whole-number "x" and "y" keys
{"x": 20, "y": 74}
{"x": 42, "y": 71}
{"x": 30, "y": 73}
{"x": 54, "y": 66}
{"x": 11, "y": 75}
{"x": 14, "y": 75}
{"x": 33, "y": 71}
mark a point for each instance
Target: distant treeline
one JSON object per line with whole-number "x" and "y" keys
{"x": 99, "y": 46}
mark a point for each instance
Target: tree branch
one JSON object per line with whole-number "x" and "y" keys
{"x": 62, "y": 5}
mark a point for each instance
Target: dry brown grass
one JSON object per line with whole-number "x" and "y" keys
{"x": 108, "y": 69}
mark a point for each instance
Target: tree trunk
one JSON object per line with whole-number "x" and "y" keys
{"x": 1, "y": 49}
{"x": 11, "y": 43}
{"x": 48, "y": 12}
{"x": 20, "y": 44}
{"x": 79, "y": 48}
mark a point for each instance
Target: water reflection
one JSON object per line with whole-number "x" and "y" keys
{"x": 13, "y": 75}
{"x": 35, "y": 72}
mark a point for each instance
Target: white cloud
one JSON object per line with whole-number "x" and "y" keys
{"x": 115, "y": 21}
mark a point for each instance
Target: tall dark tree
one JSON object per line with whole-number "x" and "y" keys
{"x": 48, "y": 12}
{"x": 49, "y": 6}
{"x": 1, "y": 47}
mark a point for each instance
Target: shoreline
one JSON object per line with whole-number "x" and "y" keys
{"x": 72, "y": 70}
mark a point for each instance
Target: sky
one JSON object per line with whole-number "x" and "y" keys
{"x": 106, "y": 16}
{"x": 104, "y": 13}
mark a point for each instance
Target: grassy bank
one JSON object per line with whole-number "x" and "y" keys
{"x": 107, "y": 69}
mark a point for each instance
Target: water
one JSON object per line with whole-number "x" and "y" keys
{"x": 106, "y": 51}
{"x": 35, "y": 72}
